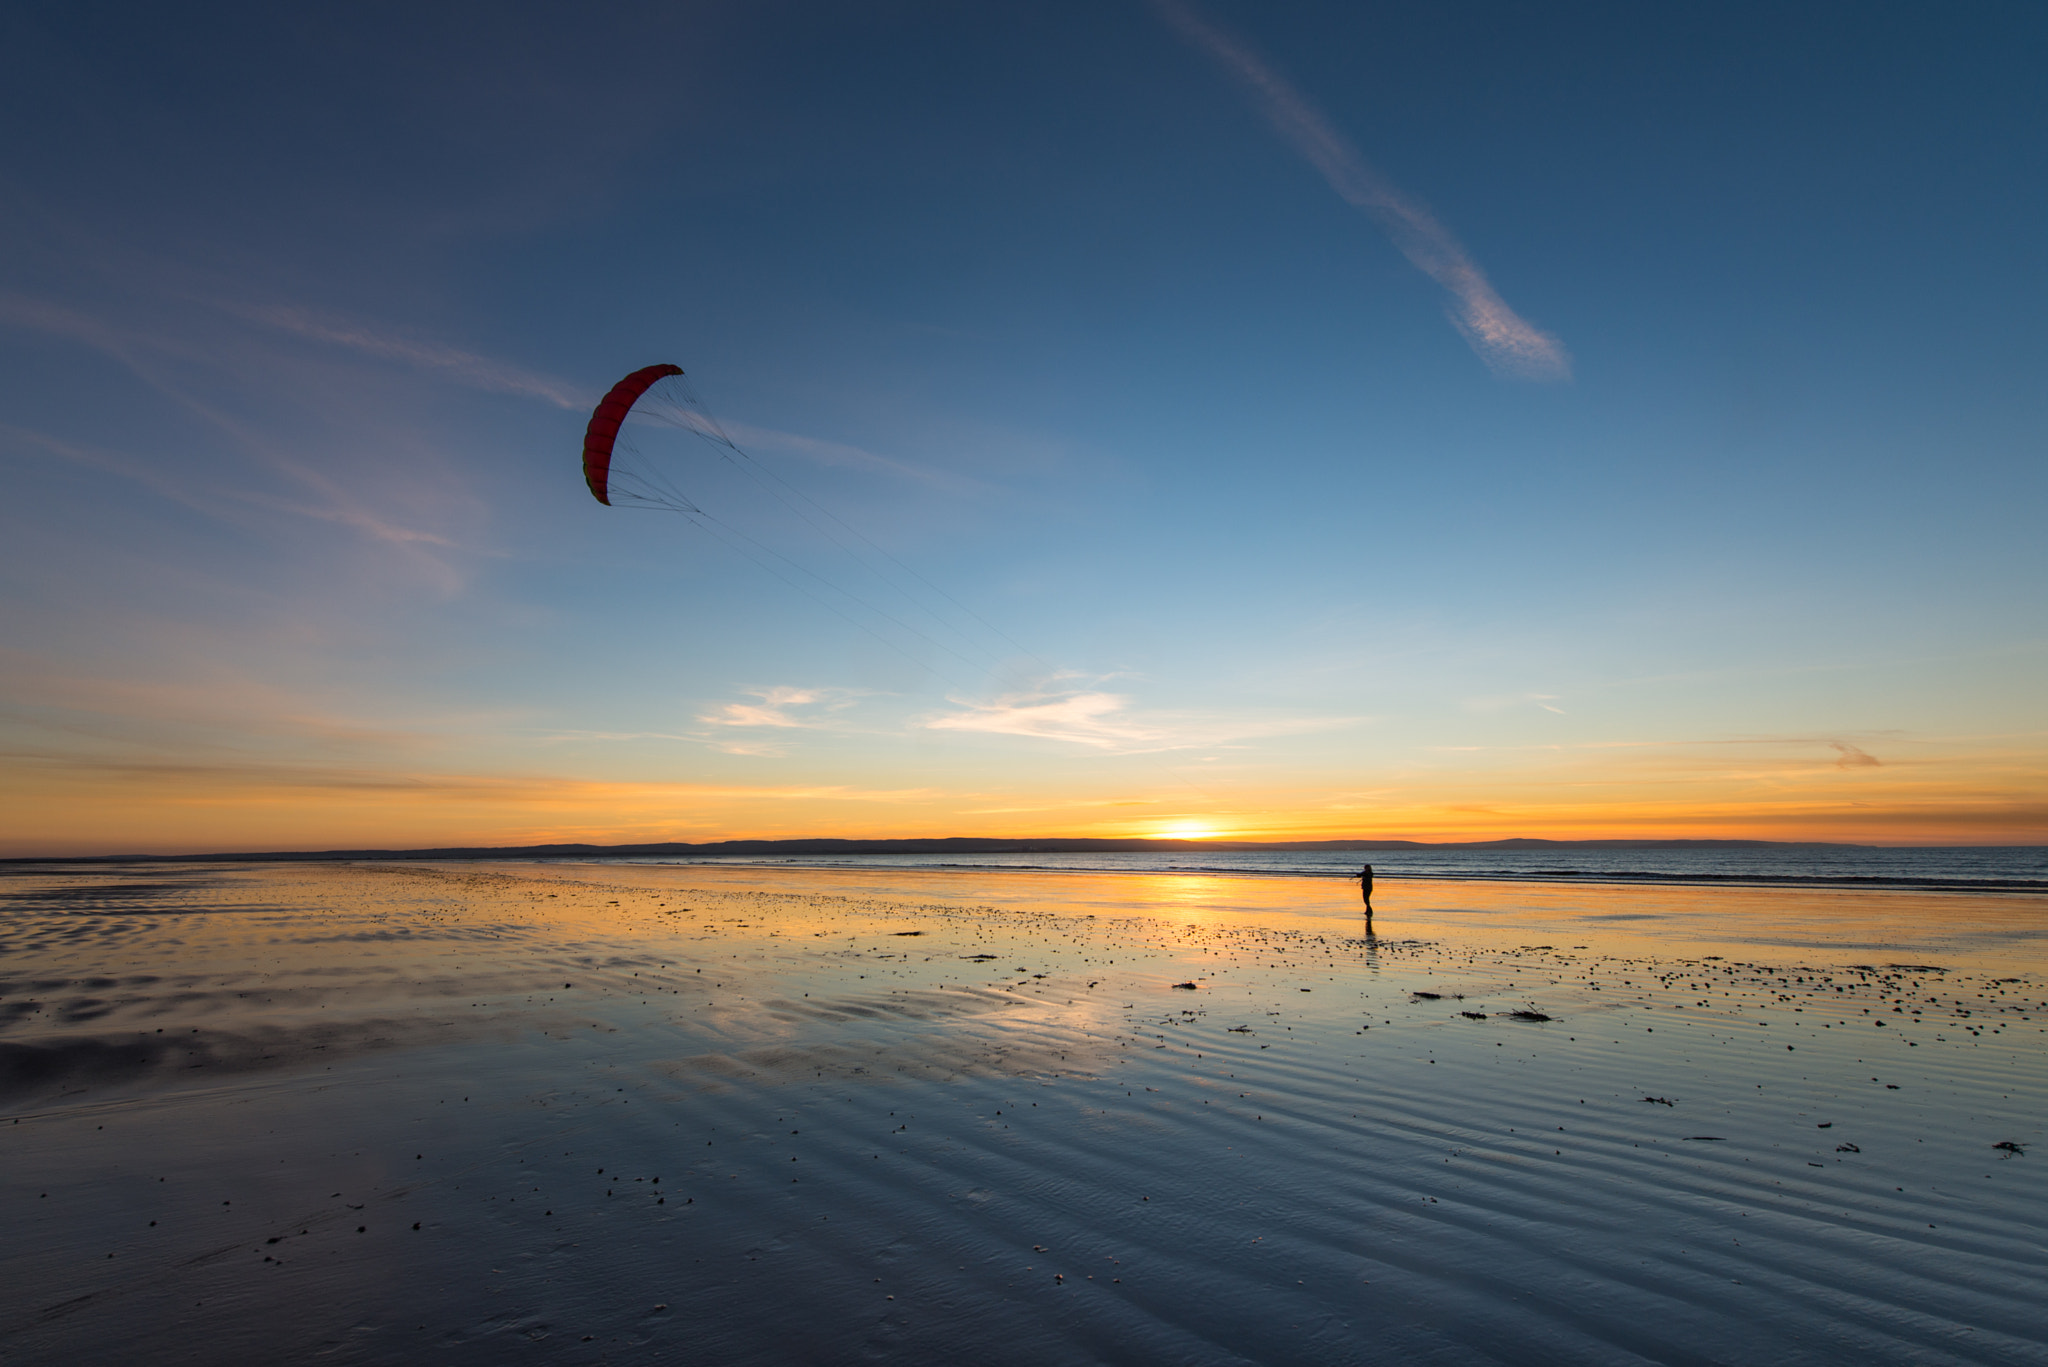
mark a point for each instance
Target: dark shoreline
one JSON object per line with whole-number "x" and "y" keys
{"x": 1561, "y": 877}
{"x": 965, "y": 845}
{"x": 1555, "y": 855}
{"x": 1852, "y": 883}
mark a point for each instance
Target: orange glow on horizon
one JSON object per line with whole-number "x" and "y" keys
{"x": 1952, "y": 798}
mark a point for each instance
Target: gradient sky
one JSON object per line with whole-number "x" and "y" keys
{"x": 1432, "y": 421}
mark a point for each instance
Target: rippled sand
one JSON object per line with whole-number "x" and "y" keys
{"x": 491, "y": 1114}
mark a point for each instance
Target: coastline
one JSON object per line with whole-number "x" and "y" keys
{"x": 1700, "y": 862}
{"x": 1849, "y": 924}
{"x": 392, "y": 1111}
{"x": 1383, "y": 873}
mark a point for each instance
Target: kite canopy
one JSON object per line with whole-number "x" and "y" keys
{"x": 603, "y": 431}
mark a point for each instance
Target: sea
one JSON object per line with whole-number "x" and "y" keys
{"x": 1964, "y": 868}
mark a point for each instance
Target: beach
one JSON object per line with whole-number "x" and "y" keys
{"x": 492, "y": 1112}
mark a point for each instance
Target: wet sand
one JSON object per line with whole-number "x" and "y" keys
{"x": 489, "y": 1113}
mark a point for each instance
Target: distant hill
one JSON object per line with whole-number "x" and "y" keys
{"x": 945, "y": 845}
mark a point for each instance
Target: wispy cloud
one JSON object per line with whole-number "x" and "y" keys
{"x": 503, "y": 377}
{"x": 355, "y": 516}
{"x": 1501, "y": 702}
{"x": 192, "y": 702}
{"x": 145, "y": 356}
{"x": 509, "y": 787}
{"x": 1094, "y": 719}
{"x": 804, "y": 708}
{"x": 1794, "y": 750}
{"x": 480, "y": 372}
{"x": 1055, "y": 709}
{"x": 1503, "y": 339}
{"x": 825, "y": 452}
{"x": 344, "y": 506}
{"x": 783, "y": 709}
{"x": 113, "y": 463}
{"x": 1104, "y": 721}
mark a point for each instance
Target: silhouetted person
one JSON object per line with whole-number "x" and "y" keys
{"x": 1365, "y": 894}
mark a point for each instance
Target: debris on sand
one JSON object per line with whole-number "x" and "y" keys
{"x": 387, "y": 949}
{"x": 1706, "y": 1138}
{"x": 1184, "y": 987}
{"x": 1527, "y": 1016}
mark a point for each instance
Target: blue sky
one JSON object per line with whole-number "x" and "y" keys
{"x": 1068, "y": 310}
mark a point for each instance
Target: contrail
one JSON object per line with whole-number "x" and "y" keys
{"x": 1504, "y": 340}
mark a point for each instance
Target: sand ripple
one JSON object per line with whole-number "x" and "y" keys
{"x": 400, "y": 1116}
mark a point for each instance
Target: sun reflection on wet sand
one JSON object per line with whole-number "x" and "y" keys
{"x": 1978, "y": 929}
{"x": 457, "y": 1113}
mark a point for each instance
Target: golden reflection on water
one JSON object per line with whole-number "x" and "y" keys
{"x": 1006, "y": 1082}
{"x": 1834, "y": 925}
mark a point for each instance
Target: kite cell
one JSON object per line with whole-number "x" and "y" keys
{"x": 603, "y": 432}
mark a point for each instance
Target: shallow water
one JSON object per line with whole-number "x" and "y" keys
{"x": 927, "y": 1117}
{"x": 1990, "y": 867}
{"x": 1963, "y": 928}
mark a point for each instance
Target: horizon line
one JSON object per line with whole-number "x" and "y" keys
{"x": 980, "y": 844}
